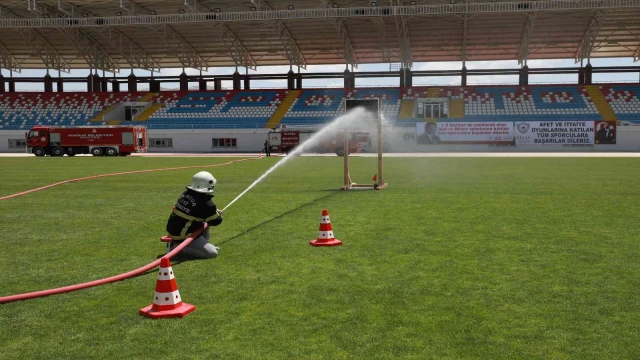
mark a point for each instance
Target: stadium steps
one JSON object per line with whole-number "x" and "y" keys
{"x": 279, "y": 114}
{"x": 457, "y": 109}
{"x": 406, "y": 109}
{"x": 148, "y": 112}
{"x": 601, "y": 103}
{"x": 148, "y": 97}
{"x": 99, "y": 117}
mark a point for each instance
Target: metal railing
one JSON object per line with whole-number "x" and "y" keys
{"x": 415, "y": 84}
{"x": 322, "y": 13}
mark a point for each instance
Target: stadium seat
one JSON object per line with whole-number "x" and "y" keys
{"x": 254, "y": 108}
{"x": 624, "y": 101}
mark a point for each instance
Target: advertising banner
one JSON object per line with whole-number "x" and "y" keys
{"x": 605, "y": 132}
{"x": 554, "y": 132}
{"x": 464, "y": 133}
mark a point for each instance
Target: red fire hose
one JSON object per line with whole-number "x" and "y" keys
{"x": 42, "y": 293}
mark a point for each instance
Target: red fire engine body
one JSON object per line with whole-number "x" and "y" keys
{"x": 97, "y": 141}
{"x": 286, "y": 141}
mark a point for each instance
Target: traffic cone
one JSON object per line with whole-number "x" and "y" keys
{"x": 325, "y": 233}
{"x": 167, "y": 302}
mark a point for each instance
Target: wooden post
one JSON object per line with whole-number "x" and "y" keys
{"x": 347, "y": 178}
{"x": 380, "y": 179}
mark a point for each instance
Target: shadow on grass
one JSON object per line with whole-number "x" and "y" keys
{"x": 332, "y": 192}
{"x": 180, "y": 257}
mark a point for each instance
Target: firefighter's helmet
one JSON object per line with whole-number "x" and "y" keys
{"x": 203, "y": 182}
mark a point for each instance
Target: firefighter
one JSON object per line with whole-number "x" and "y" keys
{"x": 267, "y": 148}
{"x": 193, "y": 208}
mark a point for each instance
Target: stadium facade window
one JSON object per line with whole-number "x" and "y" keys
{"x": 224, "y": 142}
{"x": 160, "y": 142}
{"x": 431, "y": 109}
{"x": 17, "y": 143}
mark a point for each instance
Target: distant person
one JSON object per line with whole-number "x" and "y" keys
{"x": 191, "y": 211}
{"x": 267, "y": 149}
{"x": 429, "y": 136}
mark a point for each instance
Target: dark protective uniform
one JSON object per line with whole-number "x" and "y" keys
{"x": 189, "y": 213}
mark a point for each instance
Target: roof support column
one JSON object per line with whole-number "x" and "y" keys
{"x": 132, "y": 82}
{"x": 290, "y": 80}
{"x": 524, "y": 75}
{"x": 154, "y": 85}
{"x": 588, "y": 74}
{"x": 48, "y": 83}
{"x": 90, "y": 81}
{"x": 236, "y": 80}
{"x": 184, "y": 81}
{"x": 463, "y": 73}
{"x": 96, "y": 82}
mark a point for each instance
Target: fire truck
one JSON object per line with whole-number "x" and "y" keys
{"x": 286, "y": 141}
{"x": 94, "y": 140}
{"x": 359, "y": 141}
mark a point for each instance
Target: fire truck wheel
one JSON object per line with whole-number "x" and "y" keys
{"x": 96, "y": 151}
{"x": 38, "y": 151}
{"x": 111, "y": 152}
{"x": 57, "y": 151}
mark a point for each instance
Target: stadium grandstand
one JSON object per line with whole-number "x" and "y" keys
{"x": 118, "y": 39}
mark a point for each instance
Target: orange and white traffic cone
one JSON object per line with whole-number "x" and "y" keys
{"x": 325, "y": 233}
{"x": 167, "y": 302}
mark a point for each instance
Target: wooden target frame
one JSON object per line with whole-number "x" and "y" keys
{"x": 372, "y": 105}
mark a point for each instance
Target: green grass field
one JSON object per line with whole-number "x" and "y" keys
{"x": 459, "y": 258}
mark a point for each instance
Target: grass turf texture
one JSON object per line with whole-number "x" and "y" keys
{"x": 493, "y": 258}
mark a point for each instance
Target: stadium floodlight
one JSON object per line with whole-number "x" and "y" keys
{"x": 253, "y": 8}
{"x": 180, "y": 11}
{"x": 412, "y": 3}
{"x": 118, "y": 13}
{"x": 334, "y": 5}
{"x": 290, "y": 7}
{"x": 152, "y": 12}
{"x": 374, "y": 3}
{"x": 217, "y": 10}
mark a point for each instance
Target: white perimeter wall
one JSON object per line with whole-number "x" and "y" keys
{"x": 200, "y": 141}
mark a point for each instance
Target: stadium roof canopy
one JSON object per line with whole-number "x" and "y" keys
{"x": 115, "y": 35}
